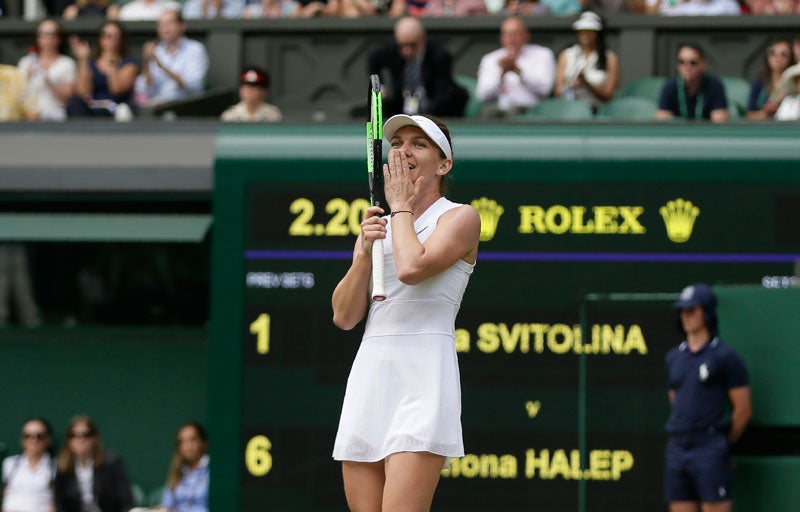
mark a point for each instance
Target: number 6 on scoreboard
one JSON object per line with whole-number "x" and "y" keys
{"x": 375, "y": 171}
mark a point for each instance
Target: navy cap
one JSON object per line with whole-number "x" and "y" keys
{"x": 696, "y": 294}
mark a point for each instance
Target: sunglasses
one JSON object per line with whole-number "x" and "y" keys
{"x": 779, "y": 53}
{"x": 682, "y": 62}
{"x": 38, "y": 436}
{"x": 80, "y": 435}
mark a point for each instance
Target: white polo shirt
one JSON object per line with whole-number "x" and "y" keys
{"x": 28, "y": 488}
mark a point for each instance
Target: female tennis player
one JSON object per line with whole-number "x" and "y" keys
{"x": 401, "y": 418}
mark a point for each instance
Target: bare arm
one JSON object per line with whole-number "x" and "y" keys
{"x": 351, "y": 297}
{"x": 606, "y": 91}
{"x": 720, "y": 115}
{"x": 61, "y": 91}
{"x": 83, "y": 81}
{"x": 558, "y": 91}
{"x": 455, "y": 236}
{"x": 397, "y": 9}
{"x": 664, "y": 114}
{"x": 742, "y": 411}
{"x": 120, "y": 80}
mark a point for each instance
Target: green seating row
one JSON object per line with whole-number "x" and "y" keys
{"x": 143, "y": 499}
{"x": 637, "y": 101}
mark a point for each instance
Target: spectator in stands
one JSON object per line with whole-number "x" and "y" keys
{"x": 140, "y": 10}
{"x": 765, "y": 93}
{"x": 315, "y": 8}
{"x": 106, "y": 75}
{"x": 252, "y": 107}
{"x": 517, "y": 76}
{"x": 555, "y": 7}
{"x": 187, "y": 482}
{"x": 90, "y": 478}
{"x": 693, "y": 94}
{"x": 92, "y": 9}
{"x": 421, "y": 76}
{"x": 358, "y": 8}
{"x": 693, "y": 7}
{"x": 209, "y": 9}
{"x": 15, "y": 277}
{"x": 269, "y": 9}
{"x": 608, "y": 8}
{"x": 588, "y": 70}
{"x": 16, "y": 104}
{"x": 563, "y": 7}
{"x": 774, "y": 6}
{"x": 526, "y": 8}
{"x": 454, "y": 8}
{"x": 415, "y": 7}
{"x": 175, "y": 67}
{"x": 50, "y": 75}
{"x": 789, "y": 109}
{"x": 28, "y": 477}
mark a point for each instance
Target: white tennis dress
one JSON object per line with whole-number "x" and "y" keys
{"x": 404, "y": 390}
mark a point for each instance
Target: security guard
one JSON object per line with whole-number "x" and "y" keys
{"x": 704, "y": 375}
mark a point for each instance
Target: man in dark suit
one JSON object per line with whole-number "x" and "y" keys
{"x": 421, "y": 78}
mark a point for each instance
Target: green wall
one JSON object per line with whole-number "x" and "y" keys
{"x": 139, "y": 385}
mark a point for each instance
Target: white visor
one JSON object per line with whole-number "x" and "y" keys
{"x": 423, "y": 123}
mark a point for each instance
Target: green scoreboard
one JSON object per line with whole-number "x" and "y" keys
{"x": 587, "y": 233}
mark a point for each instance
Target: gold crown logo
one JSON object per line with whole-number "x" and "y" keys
{"x": 679, "y": 216}
{"x": 490, "y": 213}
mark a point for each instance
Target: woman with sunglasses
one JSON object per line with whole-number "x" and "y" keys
{"x": 765, "y": 93}
{"x": 89, "y": 478}
{"x": 28, "y": 477}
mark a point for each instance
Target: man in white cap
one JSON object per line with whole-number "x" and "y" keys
{"x": 517, "y": 76}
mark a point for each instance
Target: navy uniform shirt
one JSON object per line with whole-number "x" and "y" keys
{"x": 711, "y": 93}
{"x": 701, "y": 382}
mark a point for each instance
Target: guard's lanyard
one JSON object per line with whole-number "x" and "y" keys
{"x": 682, "y": 105}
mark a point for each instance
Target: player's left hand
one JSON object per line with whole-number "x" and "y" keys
{"x": 401, "y": 182}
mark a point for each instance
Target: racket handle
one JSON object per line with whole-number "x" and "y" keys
{"x": 378, "y": 289}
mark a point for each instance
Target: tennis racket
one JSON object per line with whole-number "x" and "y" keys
{"x": 375, "y": 171}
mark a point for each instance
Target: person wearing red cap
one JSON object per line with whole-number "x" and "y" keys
{"x": 252, "y": 107}
{"x": 401, "y": 416}
{"x": 705, "y": 376}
